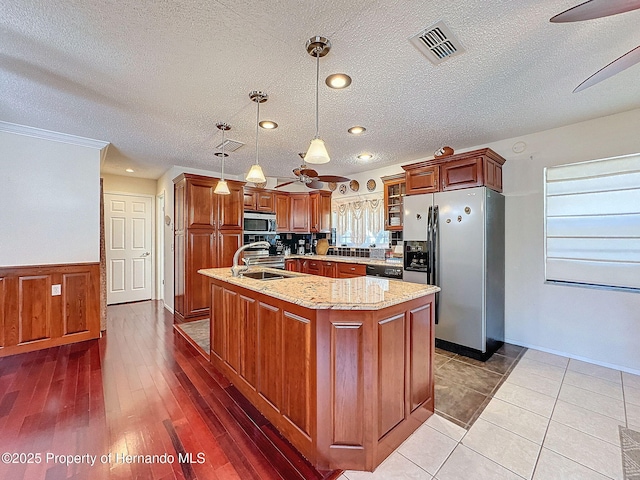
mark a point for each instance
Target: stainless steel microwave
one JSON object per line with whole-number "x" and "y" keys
{"x": 256, "y": 223}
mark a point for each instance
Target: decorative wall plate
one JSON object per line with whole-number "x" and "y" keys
{"x": 371, "y": 184}
{"x": 332, "y": 185}
{"x": 343, "y": 188}
{"x": 354, "y": 185}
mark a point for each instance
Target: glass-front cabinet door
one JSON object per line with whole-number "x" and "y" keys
{"x": 394, "y": 192}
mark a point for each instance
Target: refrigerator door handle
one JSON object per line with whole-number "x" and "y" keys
{"x": 435, "y": 240}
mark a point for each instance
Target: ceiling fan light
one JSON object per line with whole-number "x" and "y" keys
{"x": 317, "y": 152}
{"x": 255, "y": 175}
{"x": 222, "y": 188}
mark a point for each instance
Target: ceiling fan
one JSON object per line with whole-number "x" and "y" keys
{"x": 597, "y": 9}
{"x": 310, "y": 178}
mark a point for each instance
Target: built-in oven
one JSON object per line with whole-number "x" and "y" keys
{"x": 257, "y": 223}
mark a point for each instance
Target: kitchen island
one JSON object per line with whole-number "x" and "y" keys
{"x": 341, "y": 367}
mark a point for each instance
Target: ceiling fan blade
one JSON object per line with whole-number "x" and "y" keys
{"x": 283, "y": 184}
{"x": 618, "y": 65}
{"x": 332, "y": 178}
{"x": 315, "y": 184}
{"x": 309, "y": 172}
{"x": 595, "y": 9}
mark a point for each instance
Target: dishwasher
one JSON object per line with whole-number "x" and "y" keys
{"x": 386, "y": 271}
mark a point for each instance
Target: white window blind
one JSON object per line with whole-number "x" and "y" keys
{"x": 592, "y": 222}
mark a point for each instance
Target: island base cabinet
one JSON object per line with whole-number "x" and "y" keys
{"x": 345, "y": 387}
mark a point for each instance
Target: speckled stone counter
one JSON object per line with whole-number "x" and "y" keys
{"x": 312, "y": 291}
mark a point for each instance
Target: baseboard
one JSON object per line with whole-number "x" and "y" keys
{"x": 169, "y": 308}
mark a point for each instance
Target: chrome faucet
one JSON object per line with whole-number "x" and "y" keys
{"x": 236, "y": 270}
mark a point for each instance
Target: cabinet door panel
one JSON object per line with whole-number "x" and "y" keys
{"x": 248, "y": 315}
{"x": 297, "y": 375}
{"x": 283, "y": 210}
{"x": 264, "y": 201}
{"x": 270, "y": 354}
{"x": 391, "y": 368}
{"x": 202, "y": 247}
{"x": 423, "y": 180}
{"x": 228, "y": 243}
{"x": 230, "y": 208}
{"x": 299, "y": 217}
{"x": 421, "y": 356}
{"x": 349, "y": 270}
{"x": 464, "y": 173}
{"x": 201, "y": 205}
{"x": 217, "y": 329}
{"x": 233, "y": 328}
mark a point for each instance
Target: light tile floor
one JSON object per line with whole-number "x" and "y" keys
{"x": 552, "y": 418}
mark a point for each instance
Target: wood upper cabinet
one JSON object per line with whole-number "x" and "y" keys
{"x": 465, "y": 170}
{"x": 299, "y": 212}
{"x": 320, "y": 211}
{"x": 283, "y": 210}
{"x": 230, "y": 211}
{"x": 258, "y": 200}
{"x": 208, "y": 231}
{"x": 394, "y": 192}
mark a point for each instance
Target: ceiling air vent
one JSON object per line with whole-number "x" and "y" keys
{"x": 437, "y": 43}
{"x": 229, "y": 145}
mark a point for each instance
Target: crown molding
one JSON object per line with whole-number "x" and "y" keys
{"x": 53, "y": 136}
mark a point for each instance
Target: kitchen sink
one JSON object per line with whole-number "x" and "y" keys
{"x": 266, "y": 275}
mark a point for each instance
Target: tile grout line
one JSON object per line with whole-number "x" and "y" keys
{"x": 535, "y": 465}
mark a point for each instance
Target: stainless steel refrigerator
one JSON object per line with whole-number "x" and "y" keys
{"x": 455, "y": 240}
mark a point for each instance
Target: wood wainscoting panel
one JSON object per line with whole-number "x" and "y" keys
{"x": 233, "y": 325}
{"x": 217, "y": 330}
{"x": 347, "y": 383}
{"x": 34, "y": 308}
{"x": 248, "y": 315}
{"x": 75, "y": 302}
{"x": 391, "y": 372}
{"x": 297, "y": 393}
{"x": 270, "y": 354}
{"x": 32, "y": 317}
{"x": 421, "y": 361}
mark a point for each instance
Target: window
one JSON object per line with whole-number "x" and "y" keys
{"x": 592, "y": 222}
{"x": 359, "y": 221}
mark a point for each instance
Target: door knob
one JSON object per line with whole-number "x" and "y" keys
{"x": 145, "y": 254}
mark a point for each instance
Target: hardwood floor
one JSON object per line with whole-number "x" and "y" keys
{"x": 139, "y": 391}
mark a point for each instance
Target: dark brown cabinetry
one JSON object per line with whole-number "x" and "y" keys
{"x": 320, "y": 211}
{"x": 283, "y": 210}
{"x": 258, "y": 200}
{"x": 326, "y": 268}
{"x": 299, "y": 212}
{"x": 394, "y": 192}
{"x": 208, "y": 231}
{"x": 465, "y": 170}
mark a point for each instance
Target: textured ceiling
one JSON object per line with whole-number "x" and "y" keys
{"x": 153, "y": 77}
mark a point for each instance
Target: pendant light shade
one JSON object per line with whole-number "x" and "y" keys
{"x": 255, "y": 174}
{"x": 317, "y": 153}
{"x": 221, "y": 187}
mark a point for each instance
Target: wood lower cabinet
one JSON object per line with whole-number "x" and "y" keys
{"x": 350, "y": 270}
{"x": 345, "y": 387}
{"x": 33, "y": 318}
{"x": 464, "y": 170}
{"x": 325, "y": 268}
{"x": 208, "y": 231}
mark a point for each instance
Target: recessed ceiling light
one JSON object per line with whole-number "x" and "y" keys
{"x": 338, "y": 80}
{"x": 357, "y": 130}
{"x": 129, "y": 170}
{"x": 268, "y": 124}
{"x": 365, "y": 156}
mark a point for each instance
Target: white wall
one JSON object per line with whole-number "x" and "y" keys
{"x": 49, "y": 202}
{"x": 126, "y": 184}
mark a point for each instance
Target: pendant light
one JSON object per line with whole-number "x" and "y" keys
{"x": 255, "y": 175}
{"x": 317, "y": 152}
{"x": 221, "y": 187}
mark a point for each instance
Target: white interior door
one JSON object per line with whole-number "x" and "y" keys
{"x": 128, "y": 238}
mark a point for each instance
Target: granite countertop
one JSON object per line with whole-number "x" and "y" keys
{"x": 316, "y": 292}
{"x": 361, "y": 260}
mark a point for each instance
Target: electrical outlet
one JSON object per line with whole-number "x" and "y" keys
{"x": 56, "y": 290}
